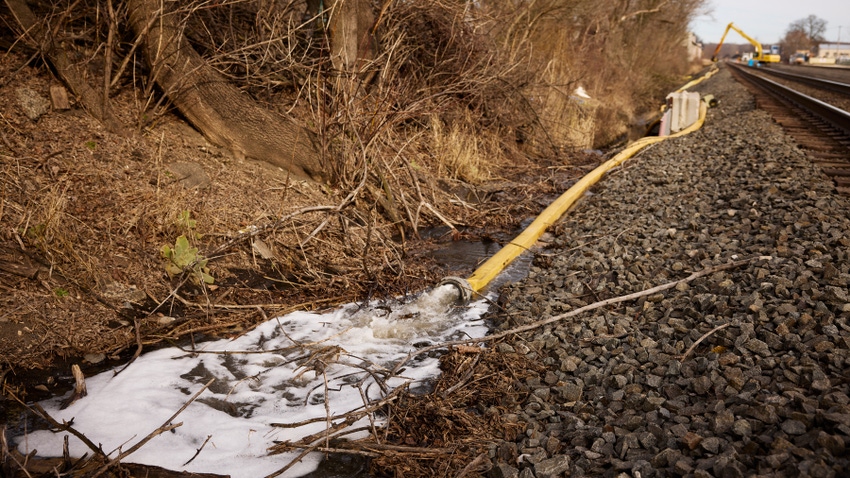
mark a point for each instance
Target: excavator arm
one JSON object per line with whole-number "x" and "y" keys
{"x": 760, "y": 56}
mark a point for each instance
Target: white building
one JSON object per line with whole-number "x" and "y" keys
{"x": 694, "y": 48}
{"x": 832, "y": 52}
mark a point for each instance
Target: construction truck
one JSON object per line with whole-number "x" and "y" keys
{"x": 759, "y": 57}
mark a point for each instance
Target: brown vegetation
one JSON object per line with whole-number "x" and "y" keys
{"x": 408, "y": 115}
{"x": 445, "y": 95}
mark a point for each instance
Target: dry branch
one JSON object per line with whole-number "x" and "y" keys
{"x": 39, "y": 411}
{"x": 166, "y": 426}
{"x": 579, "y": 311}
{"x": 642, "y": 12}
{"x": 704, "y": 336}
{"x": 79, "y": 387}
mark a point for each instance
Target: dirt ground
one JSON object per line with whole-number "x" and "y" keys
{"x": 85, "y": 214}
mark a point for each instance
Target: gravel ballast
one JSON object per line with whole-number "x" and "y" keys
{"x": 627, "y": 392}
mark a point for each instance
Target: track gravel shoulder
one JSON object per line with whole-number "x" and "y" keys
{"x": 649, "y": 387}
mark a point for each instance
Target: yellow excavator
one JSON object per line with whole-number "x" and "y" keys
{"x": 760, "y": 55}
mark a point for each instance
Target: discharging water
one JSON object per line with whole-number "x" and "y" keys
{"x": 291, "y": 369}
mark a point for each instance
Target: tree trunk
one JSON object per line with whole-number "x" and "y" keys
{"x": 349, "y": 27}
{"x": 349, "y": 30}
{"x": 225, "y": 115}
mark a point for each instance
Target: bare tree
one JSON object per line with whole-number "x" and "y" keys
{"x": 796, "y": 41}
{"x": 812, "y": 26}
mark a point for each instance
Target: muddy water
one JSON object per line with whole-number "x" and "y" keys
{"x": 468, "y": 255}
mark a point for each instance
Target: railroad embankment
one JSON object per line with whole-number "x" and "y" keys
{"x": 740, "y": 372}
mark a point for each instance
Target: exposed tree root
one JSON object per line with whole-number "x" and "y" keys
{"x": 218, "y": 109}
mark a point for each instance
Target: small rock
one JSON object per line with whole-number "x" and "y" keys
{"x": 711, "y": 444}
{"x": 542, "y": 393}
{"x": 691, "y": 440}
{"x": 723, "y": 421}
{"x": 552, "y": 467}
{"x": 793, "y": 427}
{"x": 190, "y": 174}
{"x": 666, "y": 457}
{"x": 648, "y": 440}
{"x": 570, "y": 391}
{"x": 742, "y": 428}
{"x": 701, "y": 384}
{"x": 502, "y": 470}
{"x": 757, "y": 346}
{"x": 592, "y": 455}
{"x": 33, "y": 104}
{"x": 94, "y": 358}
{"x": 683, "y": 467}
{"x": 728, "y": 359}
{"x": 833, "y": 443}
{"x": 552, "y": 445}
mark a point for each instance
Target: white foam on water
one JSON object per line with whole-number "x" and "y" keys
{"x": 274, "y": 374}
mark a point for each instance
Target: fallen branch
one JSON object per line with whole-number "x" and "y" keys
{"x": 139, "y": 346}
{"x": 580, "y": 310}
{"x": 166, "y": 426}
{"x": 641, "y": 12}
{"x": 357, "y": 414}
{"x": 255, "y": 231}
{"x": 692, "y": 347}
{"x": 66, "y": 427}
{"x": 80, "y": 390}
{"x": 198, "y": 451}
{"x": 286, "y": 308}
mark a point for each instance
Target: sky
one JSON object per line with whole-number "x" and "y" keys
{"x": 767, "y": 21}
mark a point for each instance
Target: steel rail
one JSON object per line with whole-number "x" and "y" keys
{"x": 819, "y": 83}
{"x": 836, "y": 117}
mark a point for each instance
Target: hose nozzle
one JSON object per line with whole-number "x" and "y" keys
{"x": 464, "y": 289}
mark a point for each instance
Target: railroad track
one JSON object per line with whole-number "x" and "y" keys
{"x": 819, "y": 83}
{"x": 820, "y": 129}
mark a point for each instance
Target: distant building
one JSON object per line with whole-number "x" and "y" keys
{"x": 832, "y": 52}
{"x": 694, "y": 48}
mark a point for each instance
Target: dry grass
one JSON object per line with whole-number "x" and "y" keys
{"x": 458, "y": 153}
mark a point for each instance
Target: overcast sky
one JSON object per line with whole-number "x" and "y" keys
{"x": 767, "y": 20}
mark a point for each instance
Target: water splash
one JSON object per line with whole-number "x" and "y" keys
{"x": 424, "y": 316}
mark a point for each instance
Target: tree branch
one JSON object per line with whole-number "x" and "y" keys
{"x": 641, "y": 12}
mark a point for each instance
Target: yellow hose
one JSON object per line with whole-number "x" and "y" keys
{"x": 497, "y": 263}
{"x": 704, "y": 77}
